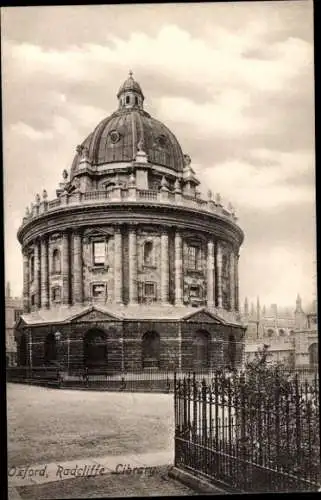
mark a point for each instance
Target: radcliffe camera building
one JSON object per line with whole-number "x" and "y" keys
{"x": 129, "y": 268}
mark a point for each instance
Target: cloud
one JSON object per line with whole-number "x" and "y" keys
{"x": 26, "y": 130}
{"x": 234, "y": 82}
{"x": 266, "y": 186}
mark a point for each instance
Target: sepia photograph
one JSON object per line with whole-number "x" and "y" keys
{"x": 161, "y": 332}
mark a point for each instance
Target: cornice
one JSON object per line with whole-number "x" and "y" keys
{"x": 79, "y": 217}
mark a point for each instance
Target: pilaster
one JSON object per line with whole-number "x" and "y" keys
{"x": 37, "y": 274}
{"x": 210, "y": 274}
{"x": 164, "y": 269}
{"x": 65, "y": 268}
{"x": 44, "y": 272}
{"x": 132, "y": 265}
{"x": 26, "y": 278}
{"x": 178, "y": 269}
{"x": 118, "y": 267}
{"x": 77, "y": 285}
{"x": 219, "y": 274}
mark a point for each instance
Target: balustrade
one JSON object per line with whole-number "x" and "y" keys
{"x": 130, "y": 194}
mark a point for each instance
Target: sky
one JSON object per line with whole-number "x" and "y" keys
{"x": 233, "y": 81}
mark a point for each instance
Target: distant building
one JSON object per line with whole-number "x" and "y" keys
{"x": 13, "y": 311}
{"x": 292, "y": 336}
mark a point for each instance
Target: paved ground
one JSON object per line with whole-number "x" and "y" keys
{"x": 47, "y": 425}
{"x": 54, "y": 430}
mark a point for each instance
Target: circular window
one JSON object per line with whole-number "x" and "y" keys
{"x": 114, "y": 136}
{"x": 162, "y": 141}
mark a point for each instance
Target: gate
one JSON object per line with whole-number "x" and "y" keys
{"x": 237, "y": 434}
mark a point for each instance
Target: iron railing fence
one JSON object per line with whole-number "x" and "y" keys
{"x": 247, "y": 434}
{"x": 109, "y": 379}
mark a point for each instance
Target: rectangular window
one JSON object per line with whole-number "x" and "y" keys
{"x": 149, "y": 289}
{"x": 33, "y": 300}
{"x": 56, "y": 294}
{"x": 195, "y": 292}
{"x": 192, "y": 253}
{"x": 17, "y": 314}
{"x": 98, "y": 290}
{"x": 99, "y": 253}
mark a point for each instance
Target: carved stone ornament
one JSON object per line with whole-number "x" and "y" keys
{"x": 187, "y": 160}
{"x": 79, "y": 149}
{"x": 37, "y": 198}
{"x": 140, "y": 145}
{"x": 209, "y": 194}
{"x": 114, "y": 136}
{"x": 65, "y": 175}
{"x": 44, "y": 194}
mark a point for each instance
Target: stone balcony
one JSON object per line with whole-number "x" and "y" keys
{"x": 129, "y": 194}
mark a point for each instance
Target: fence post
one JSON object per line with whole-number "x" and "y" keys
{"x": 244, "y": 470}
{"x": 204, "y": 412}
{"x": 194, "y": 427}
{"x": 277, "y": 417}
{"x": 297, "y": 418}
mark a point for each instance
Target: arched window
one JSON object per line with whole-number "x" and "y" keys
{"x": 231, "y": 351}
{"x": 23, "y": 350}
{"x": 127, "y": 99}
{"x": 150, "y": 350}
{"x": 109, "y": 186}
{"x": 56, "y": 261}
{"x": 201, "y": 351}
{"x": 136, "y": 101}
{"x": 313, "y": 354}
{"x": 50, "y": 349}
{"x": 281, "y": 332}
{"x": 95, "y": 348}
{"x": 148, "y": 253}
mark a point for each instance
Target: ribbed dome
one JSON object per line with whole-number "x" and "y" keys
{"x": 117, "y": 137}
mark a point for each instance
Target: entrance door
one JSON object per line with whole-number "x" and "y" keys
{"x": 95, "y": 349}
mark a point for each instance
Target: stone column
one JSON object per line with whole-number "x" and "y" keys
{"x": 132, "y": 266}
{"x": 178, "y": 269}
{"x": 44, "y": 273}
{"x": 232, "y": 280}
{"x": 65, "y": 267}
{"x": 236, "y": 278}
{"x": 219, "y": 274}
{"x": 118, "y": 267}
{"x": 37, "y": 274}
{"x": 164, "y": 268}
{"x": 26, "y": 278}
{"x": 210, "y": 274}
{"x": 77, "y": 285}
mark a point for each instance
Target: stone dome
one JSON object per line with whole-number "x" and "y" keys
{"x": 118, "y": 137}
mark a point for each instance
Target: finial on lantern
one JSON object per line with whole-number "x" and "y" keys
{"x": 130, "y": 73}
